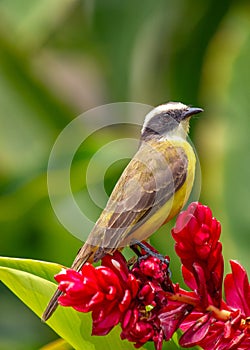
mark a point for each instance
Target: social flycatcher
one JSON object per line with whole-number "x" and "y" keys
{"x": 153, "y": 188}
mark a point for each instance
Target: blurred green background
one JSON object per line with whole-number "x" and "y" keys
{"x": 61, "y": 58}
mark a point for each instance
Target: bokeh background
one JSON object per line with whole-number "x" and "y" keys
{"x": 60, "y": 58}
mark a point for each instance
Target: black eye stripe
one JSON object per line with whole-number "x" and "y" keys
{"x": 163, "y": 122}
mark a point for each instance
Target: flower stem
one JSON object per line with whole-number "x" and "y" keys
{"x": 222, "y": 315}
{"x": 183, "y": 299}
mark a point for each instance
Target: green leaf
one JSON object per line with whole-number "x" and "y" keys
{"x": 41, "y": 269}
{"x": 31, "y": 281}
{"x": 59, "y": 344}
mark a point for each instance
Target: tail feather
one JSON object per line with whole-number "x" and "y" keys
{"x": 85, "y": 254}
{"x": 52, "y": 305}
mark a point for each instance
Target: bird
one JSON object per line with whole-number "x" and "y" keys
{"x": 152, "y": 189}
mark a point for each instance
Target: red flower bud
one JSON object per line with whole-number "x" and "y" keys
{"x": 196, "y": 234}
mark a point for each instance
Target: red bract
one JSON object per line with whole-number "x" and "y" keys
{"x": 142, "y": 324}
{"x": 237, "y": 289}
{"x": 136, "y": 329}
{"x": 172, "y": 316}
{"x": 214, "y": 331}
{"x": 196, "y": 234}
{"x": 106, "y": 290}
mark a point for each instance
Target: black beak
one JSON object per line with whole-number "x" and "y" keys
{"x": 191, "y": 111}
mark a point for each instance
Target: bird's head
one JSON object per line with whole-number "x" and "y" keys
{"x": 168, "y": 120}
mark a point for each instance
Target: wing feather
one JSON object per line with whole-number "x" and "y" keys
{"x": 148, "y": 182}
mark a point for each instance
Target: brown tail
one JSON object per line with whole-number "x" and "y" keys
{"x": 52, "y": 305}
{"x": 85, "y": 254}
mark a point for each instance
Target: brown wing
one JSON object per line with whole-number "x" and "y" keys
{"x": 149, "y": 180}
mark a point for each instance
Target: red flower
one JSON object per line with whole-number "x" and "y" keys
{"x": 196, "y": 234}
{"x": 172, "y": 316}
{"x": 141, "y": 325}
{"x": 135, "y": 329}
{"x": 114, "y": 294}
{"x": 237, "y": 289}
{"x": 106, "y": 290}
{"x": 150, "y": 307}
{"x": 141, "y": 322}
{"x": 213, "y": 330}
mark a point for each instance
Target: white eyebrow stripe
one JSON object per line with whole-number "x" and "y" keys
{"x": 160, "y": 109}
